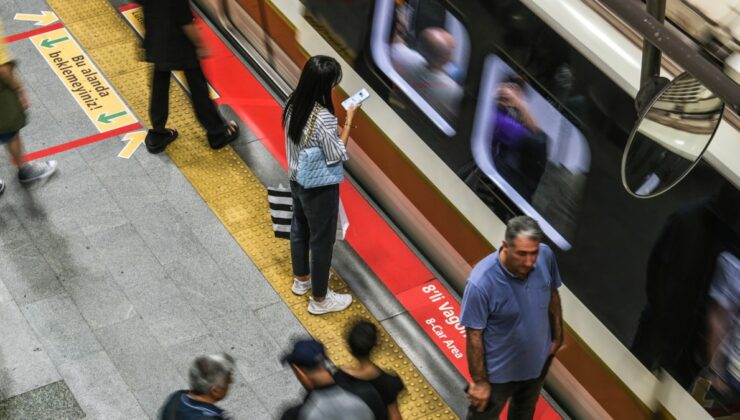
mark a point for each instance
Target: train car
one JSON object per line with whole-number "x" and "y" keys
{"x": 483, "y": 110}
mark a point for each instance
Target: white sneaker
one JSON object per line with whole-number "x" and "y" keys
{"x": 36, "y": 170}
{"x": 300, "y": 288}
{"x": 334, "y": 302}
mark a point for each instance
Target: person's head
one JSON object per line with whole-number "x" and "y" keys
{"x": 436, "y": 46}
{"x": 362, "y": 339}
{"x": 211, "y": 376}
{"x": 521, "y": 245}
{"x": 510, "y": 85}
{"x": 319, "y": 76}
{"x": 308, "y": 361}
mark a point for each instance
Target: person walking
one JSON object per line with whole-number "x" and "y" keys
{"x": 210, "y": 378}
{"x": 172, "y": 42}
{"x": 327, "y": 399}
{"x": 309, "y": 121}
{"x": 513, "y": 319}
{"x": 362, "y": 340}
{"x": 14, "y": 103}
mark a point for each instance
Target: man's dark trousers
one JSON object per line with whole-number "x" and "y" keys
{"x": 522, "y": 397}
{"x": 205, "y": 109}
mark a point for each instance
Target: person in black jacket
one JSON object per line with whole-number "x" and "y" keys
{"x": 362, "y": 340}
{"x": 210, "y": 377}
{"x": 172, "y": 42}
{"x": 327, "y": 397}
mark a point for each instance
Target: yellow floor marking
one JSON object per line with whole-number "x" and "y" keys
{"x": 46, "y": 18}
{"x": 91, "y": 90}
{"x": 135, "y": 18}
{"x": 237, "y": 198}
{"x": 133, "y": 141}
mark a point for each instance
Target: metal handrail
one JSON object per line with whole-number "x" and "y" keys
{"x": 671, "y": 44}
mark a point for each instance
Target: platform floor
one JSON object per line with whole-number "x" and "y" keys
{"x": 115, "y": 272}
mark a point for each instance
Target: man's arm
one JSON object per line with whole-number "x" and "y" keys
{"x": 476, "y": 358}
{"x": 555, "y": 314}
{"x": 480, "y": 389}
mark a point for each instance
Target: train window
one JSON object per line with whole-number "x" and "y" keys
{"x": 341, "y": 22}
{"x": 530, "y": 151}
{"x": 424, "y": 50}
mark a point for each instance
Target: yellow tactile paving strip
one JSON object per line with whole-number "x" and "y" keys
{"x": 233, "y": 193}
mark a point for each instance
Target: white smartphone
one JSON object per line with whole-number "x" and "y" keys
{"x": 355, "y": 99}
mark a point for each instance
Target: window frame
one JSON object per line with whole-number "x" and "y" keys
{"x": 481, "y": 129}
{"x": 380, "y": 51}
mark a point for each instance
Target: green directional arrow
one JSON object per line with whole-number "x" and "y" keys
{"x": 107, "y": 119}
{"x": 49, "y": 43}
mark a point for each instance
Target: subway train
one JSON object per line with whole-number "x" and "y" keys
{"x": 483, "y": 110}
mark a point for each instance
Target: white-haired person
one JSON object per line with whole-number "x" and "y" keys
{"x": 210, "y": 377}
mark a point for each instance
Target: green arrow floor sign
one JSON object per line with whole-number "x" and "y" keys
{"x": 107, "y": 119}
{"x": 49, "y": 43}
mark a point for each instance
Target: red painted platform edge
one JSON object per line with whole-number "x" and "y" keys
{"x": 129, "y": 6}
{"x": 438, "y": 314}
{"x": 28, "y": 34}
{"x": 81, "y": 142}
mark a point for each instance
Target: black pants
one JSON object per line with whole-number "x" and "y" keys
{"x": 205, "y": 109}
{"x": 313, "y": 231}
{"x": 521, "y": 395}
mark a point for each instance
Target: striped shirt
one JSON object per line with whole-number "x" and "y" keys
{"x": 325, "y": 135}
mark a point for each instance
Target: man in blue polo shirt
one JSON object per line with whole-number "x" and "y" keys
{"x": 512, "y": 315}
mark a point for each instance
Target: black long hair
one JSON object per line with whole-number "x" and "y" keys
{"x": 320, "y": 74}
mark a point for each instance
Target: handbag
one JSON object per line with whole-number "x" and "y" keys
{"x": 280, "y": 201}
{"x": 13, "y": 117}
{"x": 313, "y": 171}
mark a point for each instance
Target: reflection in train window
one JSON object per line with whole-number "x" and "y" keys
{"x": 536, "y": 156}
{"x": 424, "y": 50}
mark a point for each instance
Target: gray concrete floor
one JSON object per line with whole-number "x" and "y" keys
{"x": 114, "y": 274}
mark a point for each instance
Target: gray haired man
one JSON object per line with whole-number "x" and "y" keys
{"x": 512, "y": 316}
{"x": 210, "y": 378}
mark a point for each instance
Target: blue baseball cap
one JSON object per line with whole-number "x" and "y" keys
{"x": 306, "y": 354}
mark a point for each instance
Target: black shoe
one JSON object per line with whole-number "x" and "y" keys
{"x": 231, "y": 134}
{"x": 156, "y": 143}
{"x": 2, "y": 187}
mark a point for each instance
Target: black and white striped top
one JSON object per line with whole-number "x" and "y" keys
{"x": 325, "y": 135}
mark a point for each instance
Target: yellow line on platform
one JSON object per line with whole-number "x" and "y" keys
{"x": 234, "y": 194}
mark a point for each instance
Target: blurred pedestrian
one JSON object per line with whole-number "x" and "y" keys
{"x": 309, "y": 122}
{"x": 172, "y": 42}
{"x": 362, "y": 340}
{"x": 210, "y": 377}
{"x": 14, "y": 103}
{"x": 327, "y": 399}
{"x": 512, "y": 315}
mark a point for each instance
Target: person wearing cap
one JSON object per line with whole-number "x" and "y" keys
{"x": 210, "y": 378}
{"x": 327, "y": 399}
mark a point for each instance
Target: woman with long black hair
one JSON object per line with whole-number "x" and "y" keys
{"x": 309, "y": 121}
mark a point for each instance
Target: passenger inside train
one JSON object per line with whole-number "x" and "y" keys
{"x": 427, "y": 50}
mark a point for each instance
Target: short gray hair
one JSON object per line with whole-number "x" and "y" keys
{"x": 523, "y": 225}
{"x": 209, "y": 371}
